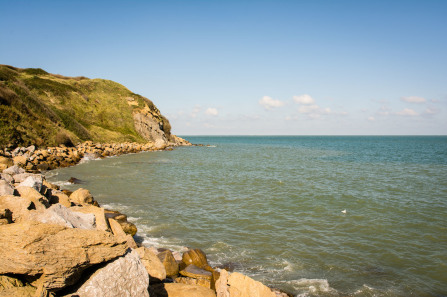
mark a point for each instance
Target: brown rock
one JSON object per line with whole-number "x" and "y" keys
{"x": 81, "y": 197}
{"x": 59, "y": 197}
{"x": 153, "y": 265}
{"x": 7, "y": 282}
{"x": 193, "y": 281}
{"x": 241, "y": 285}
{"x": 196, "y": 257}
{"x": 180, "y": 290}
{"x": 58, "y": 254}
{"x": 202, "y": 276}
{"x": 6, "y": 161}
{"x": 169, "y": 262}
{"x": 129, "y": 228}
{"x": 19, "y": 160}
{"x": 20, "y": 207}
{"x": 40, "y": 202}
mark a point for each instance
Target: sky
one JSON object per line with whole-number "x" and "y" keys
{"x": 251, "y": 67}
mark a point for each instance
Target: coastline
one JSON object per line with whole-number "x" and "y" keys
{"x": 168, "y": 273}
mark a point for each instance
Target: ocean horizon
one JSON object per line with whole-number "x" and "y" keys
{"x": 314, "y": 215}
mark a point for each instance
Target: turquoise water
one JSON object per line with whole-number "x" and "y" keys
{"x": 272, "y": 206}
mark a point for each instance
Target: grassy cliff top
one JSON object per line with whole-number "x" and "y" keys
{"x": 46, "y": 109}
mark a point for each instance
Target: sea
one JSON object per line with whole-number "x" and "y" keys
{"x": 311, "y": 215}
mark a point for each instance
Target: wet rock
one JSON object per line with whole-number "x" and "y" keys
{"x": 58, "y": 254}
{"x": 171, "y": 266}
{"x": 75, "y": 181}
{"x": 125, "y": 276}
{"x": 196, "y": 257}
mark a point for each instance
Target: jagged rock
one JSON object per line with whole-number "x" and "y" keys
{"x": 6, "y": 188}
{"x": 74, "y": 219}
{"x": 33, "y": 181}
{"x": 221, "y": 284}
{"x": 240, "y": 285}
{"x": 169, "y": 262}
{"x": 7, "y": 177}
{"x": 5, "y": 216}
{"x": 125, "y": 276}
{"x": 196, "y": 257}
{"x": 100, "y": 219}
{"x": 180, "y": 290}
{"x": 18, "y": 178}
{"x": 153, "y": 265}
{"x": 149, "y": 128}
{"x": 57, "y": 253}
{"x": 20, "y": 207}
{"x": 81, "y": 197}
{"x": 118, "y": 231}
{"x": 13, "y": 170}
{"x": 40, "y": 202}
{"x": 128, "y": 227}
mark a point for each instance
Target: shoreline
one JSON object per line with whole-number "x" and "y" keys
{"x": 192, "y": 270}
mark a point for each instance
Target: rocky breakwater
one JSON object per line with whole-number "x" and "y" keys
{"x": 34, "y": 159}
{"x": 60, "y": 243}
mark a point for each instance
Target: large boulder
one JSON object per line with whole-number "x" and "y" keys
{"x": 61, "y": 215}
{"x": 196, "y": 257}
{"x": 20, "y": 207}
{"x": 125, "y": 276}
{"x": 34, "y": 181}
{"x": 154, "y": 267}
{"x": 82, "y": 197}
{"x": 240, "y": 285}
{"x": 40, "y": 202}
{"x": 100, "y": 218}
{"x": 56, "y": 253}
{"x": 180, "y": 290}
{"x": 5, "y": 188}
{"x": 171, "y": 266}
{"x": 201, "y": 276}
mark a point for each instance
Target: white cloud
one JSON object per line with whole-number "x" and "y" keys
{"x": 268, "y": 102}
{"x": 371, "y": 119}
{"x": 407, "y": 112}
{"x": 304, "y": 99}
{"x": 413, "y": 99}
{"x": 308, "y": 108}
{"x": 212, "y": 111}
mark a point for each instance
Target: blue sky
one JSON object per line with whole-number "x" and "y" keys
{"x": 251, "y": 67}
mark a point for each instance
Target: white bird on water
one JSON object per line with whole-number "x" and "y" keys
{"x": 344, "y": 211}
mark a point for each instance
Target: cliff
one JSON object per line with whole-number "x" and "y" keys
{"x": 45, "y": 109}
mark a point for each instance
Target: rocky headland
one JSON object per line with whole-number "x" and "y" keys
{"x": 55, "y": 242}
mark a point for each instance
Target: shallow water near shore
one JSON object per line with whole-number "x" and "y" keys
{"x": 274, "y": 208}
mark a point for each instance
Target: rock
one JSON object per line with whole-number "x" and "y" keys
{"x": 154, "y": 267}
{"x": 59, "y": 197}
{"x": 202, "y": 276}
{"x": 169, "y": 262}
{"x": 100, "y": 219}
{"x": 221, "y": 284}
{"x": 7, "y": 282}
{"x": 7, "y": 177}
{"x": 241, "y": 285}
{"x": 20, "y": 207}
{"x": 196, "y": 257}
{"x": 128, "y": 227}
{"x": 193, "y": 281}
{"x": 40, "y": 202}
{"x": 180, "y": 290}
{"x": 19, "y": 160}
{"x": 75, "y": 219}
{"x": 13, "y": 170}
{"x": 74, "y": 180}
{"x": 81, "y": 197}
{"x": 18, "y": 178}
{"x": 6, "y": 188}
{"x": 58, "y": 254}
{"x": 6, "y": 161}
{"x": 5, "y": 216}
{"x": 125, "y": 276}
{"x": 33, "y": 181}
{"x": 116, "y": 228}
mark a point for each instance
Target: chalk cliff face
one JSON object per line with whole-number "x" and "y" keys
{"x": 46, "y": 109}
